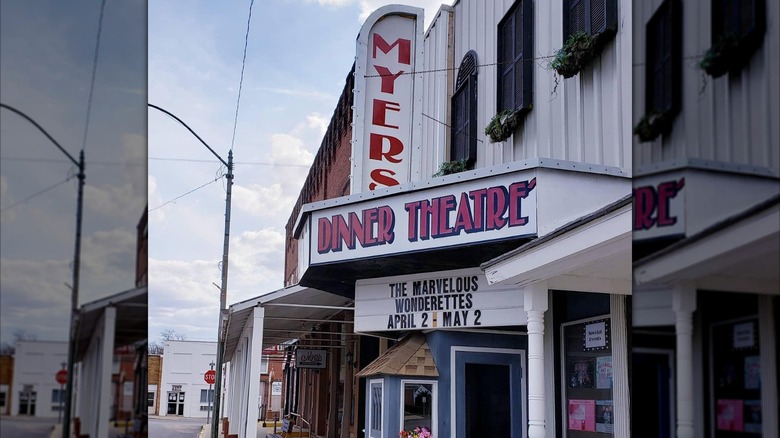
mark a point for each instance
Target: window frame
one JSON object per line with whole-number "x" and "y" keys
{"x": 369, "y": 399}
{"x": 674, "y": 57}
{"x": 610, "y": 17}
{"x": 434, "y": 403}
{"x": 525, "y": 59}
{"x": 467, "y": 87}
{"x": 750, "y": 40}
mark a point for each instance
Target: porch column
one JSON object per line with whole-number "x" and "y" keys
{"x": 535, "y": 304}
{"x": 348, "y": 378}
{"x": 106, "y": 368}
{"x": 254, "y": 357}
{"x": 684, "y": 304}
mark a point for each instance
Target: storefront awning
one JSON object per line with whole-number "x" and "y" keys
{"x": 289, "y": 313}
{"x": 738, "y": 254}
{"x": 409, "y": 357}
{"x": 131, "y": 319}
{"x": 589, "y": 254}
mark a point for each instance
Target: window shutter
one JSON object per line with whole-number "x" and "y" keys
{"x": 663, "y": 68}
{"x": 464, "y": 111}
{"x": 515, "y": 45}
{"x": 589, "y": 16}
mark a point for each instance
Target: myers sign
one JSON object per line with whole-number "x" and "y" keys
{"x": 386, "y": 120}
{"x": 310, "y": 358}
{"x": 479, "y": 210}
{"x": 452, "y": 299}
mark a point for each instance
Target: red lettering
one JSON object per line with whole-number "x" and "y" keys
{"x": 446, "y": 205}
{"x": 413, "y": 208}
{"x": 381, "y": 107}
{"x": 463, "y": 220}
{"x": 404, "y": 48}
{"x": 323, "y": 235}
{"x": 357, "y": 230}
{"x": 426, "y": 211}
{"x": 518, "y": 191}
{"x": 666, "y": 192}
{"x": 376, "y": 149}
{"x": 388, "y": 79}
{"x": 341, "y": 233}
{"x": 385, "y": 232}
{"x": 369, "y": 219}
{"x": 644, "y": 207}
{"x": 479, "y": 197}
{"x": 495, "y": 208}
{"x": 382, "y": 176}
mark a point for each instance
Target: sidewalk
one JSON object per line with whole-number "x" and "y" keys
{"x": 114, "y": 431}
{"x": 261, "y": 431}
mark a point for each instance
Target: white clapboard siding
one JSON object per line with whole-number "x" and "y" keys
{"x": 588, "y": 117}
{"x": 437, "y": 92}
{"x": 732, "y": 119}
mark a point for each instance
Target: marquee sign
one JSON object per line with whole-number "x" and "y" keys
{"x": 480, "y": 210}
{"x": 452, "y": 299}
{"x": 385, "y": 119}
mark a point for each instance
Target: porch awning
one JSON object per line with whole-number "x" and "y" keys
{"x": 289, "y": 313}
{"x": 738, "y": 254}
{"x": 409, "y": 357}
{"x": 131, "y": 319}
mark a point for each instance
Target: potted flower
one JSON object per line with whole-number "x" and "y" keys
{"x": 450, "y": 167}
{"x": 417, "y": 432}
{"x": 502, "y": 125}
{"x": 577, "y": 53}
{"x": 652, "y": 125}
{"x": 722, "y": 56}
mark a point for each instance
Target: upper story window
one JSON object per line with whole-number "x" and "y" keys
{"x": 464, "y": 112}
{"x": 737, "y": 32}
{"x": 589, "y": 16}
{"x": 663, "y": 59}
{"x": 515, "y": 58}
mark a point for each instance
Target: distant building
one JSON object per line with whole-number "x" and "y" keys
{"x": 154, "y": 377}
{"x": 35, "y": 388}
{"x": 183, "y": 391}
{"x": 6, "y": 380}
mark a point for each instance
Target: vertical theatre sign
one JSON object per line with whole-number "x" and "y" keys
{"x": 386, "y": 116}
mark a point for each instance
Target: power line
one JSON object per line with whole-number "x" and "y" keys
{"x": 185, "y": 194}
{"x": 237, "y": 163}
{"x": 94, "y": 71}
{"x": 449, "y": 126}
{"x": 241, "y": 81}
{"x": 58, "y": 161}
{"x": 38, "y": 193}
{"x": 439, "y": 70}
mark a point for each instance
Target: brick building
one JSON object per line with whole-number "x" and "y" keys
{"x": 6, "y": 380}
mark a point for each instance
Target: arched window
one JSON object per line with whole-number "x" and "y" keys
{"x": 464, "y": 111}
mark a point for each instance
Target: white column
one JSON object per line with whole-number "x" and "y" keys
{"x": 684, "y": 304}
{"x": 768, "y": 339}
{"x": 106, "y": 367}
{"x": 535, "y": 304}
{"x": 254, "y": 356}
{"x": 620, "y": 391}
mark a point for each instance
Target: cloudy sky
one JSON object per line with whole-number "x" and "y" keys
{"x": 47, "y": 49}
{"x": 298, "y": 57}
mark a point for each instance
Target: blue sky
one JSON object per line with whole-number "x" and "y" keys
{"x": 46, "y": 51}
{"x": 298, "y": 57}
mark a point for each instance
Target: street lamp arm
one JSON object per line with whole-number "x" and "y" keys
{"x": 14, "y": 110}
{"x": 189, "y": 129}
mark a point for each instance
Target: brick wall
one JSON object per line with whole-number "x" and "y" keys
{"x": 7, "y": 378}
{"x": 329, "y": 173}
{"x": 154, "y": 377}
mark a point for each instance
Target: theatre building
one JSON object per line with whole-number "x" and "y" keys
{"x": 707, "y": 218}
{"x": 460, "y": 256}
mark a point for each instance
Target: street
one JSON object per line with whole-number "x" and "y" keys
{"x": 11, "y": 427}
{"x": 175, "y": 427}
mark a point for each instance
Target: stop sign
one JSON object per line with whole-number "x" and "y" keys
{"x": 210, "y": 377}
{"x": 62, "y": 377}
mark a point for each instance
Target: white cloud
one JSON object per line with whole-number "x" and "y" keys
{"x": 7, "y": 216}
{"x": 331, "y": 3}
{"x": 309, "y": 94}
{"x": 430, "y": 6}
{"x": 113, "y": 201}
{"x": 315, "y": 120}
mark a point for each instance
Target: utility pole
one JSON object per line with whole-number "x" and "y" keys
{"x": 223, "y": 300}
{"x": 223, "y": 288}
{"x": 210, "y": 396}
{"x": 74, "y": 298}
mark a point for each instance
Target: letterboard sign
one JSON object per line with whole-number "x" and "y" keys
{"x": 439, "y": 300}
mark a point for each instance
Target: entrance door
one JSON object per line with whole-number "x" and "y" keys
{"x": 27, "y": 403}
{"x": 488, "y": 400}
{"x": 653, "y": 378}
{"x": 175, "y": 403}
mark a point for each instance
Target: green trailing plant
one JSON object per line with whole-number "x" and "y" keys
{"x": 652, "y": 125}
{"x": 502, "y": 125}
{"x": 722, "y": 56}
{"x": 577, "y": 53}
{"x": 450, "y": 167}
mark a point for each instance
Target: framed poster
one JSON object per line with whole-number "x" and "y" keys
{"x": 604, "y": 372}
{"x": 582, "y": 415}
{"x": 730, "y": 415}
{"x": 605, "y": 416}
{"x": 581, "y": 372}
